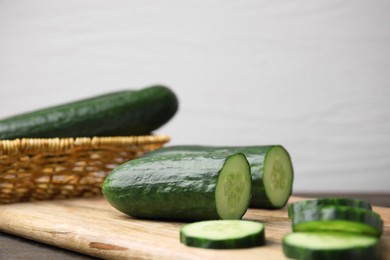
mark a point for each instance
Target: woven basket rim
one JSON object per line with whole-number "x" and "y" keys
{"x": 58, "y": 144}
{"x": 58, "y": 168}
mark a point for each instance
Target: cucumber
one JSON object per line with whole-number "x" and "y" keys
{"x": 338, "y": 218}
{"x": 329, "y": 245}
{"x": 315, "y": 203}
{"x": 271, "y": 167}
{"x": 119, "y": 113}
{"x": 223, "y": 234}
{"x": 181, "y": 187}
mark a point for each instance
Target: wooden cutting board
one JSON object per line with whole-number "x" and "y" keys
{"x": 91, "y": 226}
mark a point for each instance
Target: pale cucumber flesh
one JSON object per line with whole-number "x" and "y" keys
{"x": 337, "y": 225}
{"x": 233, "y": 189}
{"x": 278, "y": 176}
{"x": 327, "y": 241}
{"x": 329, "y": 245}
{"x": 339, "y": 218}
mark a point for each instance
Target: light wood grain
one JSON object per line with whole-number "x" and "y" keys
{"x": 93, "y": 227}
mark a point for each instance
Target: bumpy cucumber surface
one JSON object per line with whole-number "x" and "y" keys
{"x": 271, "y": 167}
{"x": 329, "y": 246}
{"x": 338, "y": 218}
{"x": 223, "y": 234}
{"x": 315, "y": 203}
{"x": 120, "y": 113}
{"x": 181, "y": 187}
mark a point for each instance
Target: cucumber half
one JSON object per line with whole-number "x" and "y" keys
{"x": 271, "y": 168}
{"x": 223, "y": 234}
{"x": 314, "y": 203}
{"x": 190, "y": 187}
{"x": 338, "y": 218}
{"x": 329, "y": 245}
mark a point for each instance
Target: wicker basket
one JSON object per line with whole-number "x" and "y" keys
{"x": 57, "y": 168}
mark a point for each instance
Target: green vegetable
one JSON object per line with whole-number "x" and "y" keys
{"x": 338, "y": 218}
{"x": 329, "y": 245}
{"x": 271, "y": 167}
{"x": 316, "y": 203}
{"x": 223, "y": 234}
{"x": 181, "y": 187}
{"x": 120, "y": 113}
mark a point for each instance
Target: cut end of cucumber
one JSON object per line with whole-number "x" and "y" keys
{"x": 233, "y": 190}
{"x": 278, "y": 176}
{"x": 223, "y": 234}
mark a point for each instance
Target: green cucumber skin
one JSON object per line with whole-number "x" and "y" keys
{"x": 167, "y": 187}
{"x": 314, "y": 203}
{"x": 325, "y": 214}
{"x": 132, "y": 112}
{"x": 358, "y": 253}
{"x": 256, "y": 156}
{"x": 250, "y": 241}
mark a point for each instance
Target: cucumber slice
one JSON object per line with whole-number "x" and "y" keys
{"x": 338, "y": 218}
{"x": 223, "y": 234}
{"x": 314, "y": 203}
{"x": 329, "y": 245}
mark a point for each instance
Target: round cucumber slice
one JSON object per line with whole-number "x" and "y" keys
{"x": 278, "y": 176}
{"x": 329, "y": 245}
{"x": 315, "y": 203}
{"x": 223, "y": 234}
{"x": 233, "y": 189}
{"x": 338, "y": 218}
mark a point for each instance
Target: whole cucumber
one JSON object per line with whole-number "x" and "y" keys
{"x": 130, "y": 112}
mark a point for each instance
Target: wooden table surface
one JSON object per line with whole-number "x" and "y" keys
{"x": 16, "y": 247}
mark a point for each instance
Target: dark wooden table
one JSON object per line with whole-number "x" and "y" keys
{"x": 14, "y": 247}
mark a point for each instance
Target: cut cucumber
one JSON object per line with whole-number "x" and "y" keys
{"x": 329, "y": 245}
{"x": 223, "y": 234}
{"x": 338, "y": 218}
{"x": 271, "y": 167}
{"x": 182, "y": 187}
{"x": 314, "y": 203}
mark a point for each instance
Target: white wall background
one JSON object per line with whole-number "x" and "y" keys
{"x": 313, "y": 76}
